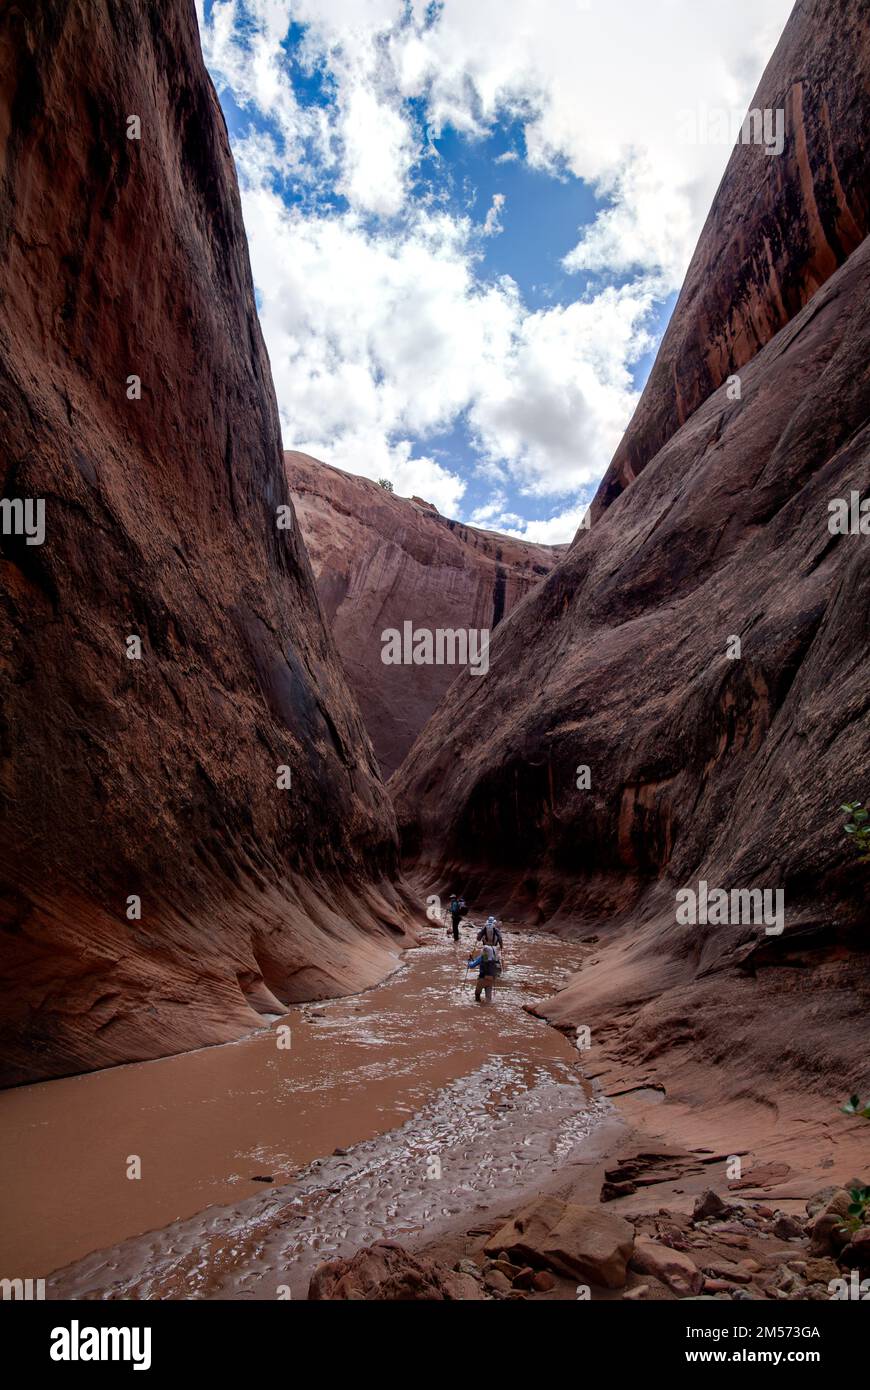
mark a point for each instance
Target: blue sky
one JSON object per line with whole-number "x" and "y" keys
{"x": 468, "y": 224}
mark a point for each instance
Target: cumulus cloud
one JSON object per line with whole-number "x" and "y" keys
{"x": 492, "y": 225}
{"x": 383, "y": 330}
{"x": 556, "y": 530}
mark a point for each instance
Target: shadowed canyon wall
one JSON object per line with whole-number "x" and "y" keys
{"x": 706, "y": 760}
{"x": 380, "y": 561}
{"x": 156, "y": 778}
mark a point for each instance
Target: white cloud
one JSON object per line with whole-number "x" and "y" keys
{"x": 492, "y": 226}
{"x": 379, "y": 324}
{"x": 556, "y": 530}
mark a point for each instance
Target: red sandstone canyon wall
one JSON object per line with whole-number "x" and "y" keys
{"x": 622, "y": 747}
{"x": 380, "y": 561}
{"x": 156, "y": 778}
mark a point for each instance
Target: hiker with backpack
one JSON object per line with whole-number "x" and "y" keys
{"x": 490, "y": 935}
{"x": 457, "y": 912}
{"x": 488, "y": 961}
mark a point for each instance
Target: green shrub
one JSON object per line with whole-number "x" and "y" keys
{"x": 855, "y": 1106}
{"x": 859, "y": 1209}
{"x": 858, "y": 828}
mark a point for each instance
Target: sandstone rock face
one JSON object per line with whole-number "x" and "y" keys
{"x": 580, "y": 1242}
{"x": 707, "y": 760}
{"x": 674, "y": 1268}
{"x": 779, "y": 227}
{"x": 156, "y": 778}
{"x": 381, "y": 561}
{"x": 385, "y": 1271}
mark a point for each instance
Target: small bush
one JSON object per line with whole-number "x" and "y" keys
{"x": 855, "y": 1106}
{"x": 858, "y": 828}
{"x": 385, "y": 484}
{"x": 859, "y": 1209}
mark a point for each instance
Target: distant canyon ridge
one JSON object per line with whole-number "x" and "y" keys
{"x": 381, "y": 561}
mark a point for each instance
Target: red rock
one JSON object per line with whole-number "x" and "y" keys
{"x": 712, "y": 522}
{"x": 543, "y": 1281}
{"x": 577, "y": 1241}
{"x": 709, "y": 1204}
{"x": 381, "y": 560}
{"x": 857, "y": 1253}
{"x": 672, "y": 1267}
{"x": 787, "y": 1227}
{"x": 735, "y": 1276}
{"x": 385, "y": 1271}
{"x": 156, "y": 778}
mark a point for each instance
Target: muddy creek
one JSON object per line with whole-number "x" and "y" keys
{"x": 434, "y": 1103}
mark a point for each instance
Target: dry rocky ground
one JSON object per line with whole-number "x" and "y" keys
{"x": 725, "y": 1248}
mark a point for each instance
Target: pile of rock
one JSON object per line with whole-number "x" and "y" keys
{"x": 579, "y": 1242}
{"x": 726, "y": 1249}
{"x": 386, "y": 1271}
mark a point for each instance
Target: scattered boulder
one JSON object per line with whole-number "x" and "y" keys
{"x": 674, "y": 1268}
{"x": 707, "y": 1205}
{"x": 787, "y": 1227}
{"x": 387, "y": 1272}
{"x": 820, "y": 1271}
{"x": 729, "y": 1272}
{"x": 828, "y": 1234}
{"x": 856, "y": 1254}
{"x": 580, "y": 1242}
{"x": 504, "y": 1266}
{"x": 611, "y": 1190}
{"x": 496, "y": 1282}
{"x": 734, "y": 1241}
{"x": 669, "y": 1234}
{"x": 524, "y": 1237}
{"x": 591, "y": 1245}
{"x": 820, "y": 1200}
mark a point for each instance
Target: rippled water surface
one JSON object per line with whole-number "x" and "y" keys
{"x": 438, "y": 1101}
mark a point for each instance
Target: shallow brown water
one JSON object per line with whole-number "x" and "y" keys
{"x": 437, "y": 1100}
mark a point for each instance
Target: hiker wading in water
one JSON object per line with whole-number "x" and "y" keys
{"x": 488, "y": 960}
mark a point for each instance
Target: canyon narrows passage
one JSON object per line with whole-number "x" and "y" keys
{"x": 407, "y": 1073}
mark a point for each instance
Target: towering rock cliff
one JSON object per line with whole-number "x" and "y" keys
{"x": 163, "y": 652}
{"x": 381, "y": 561}
{"x": 779, "y": 226}
{"x": 687, "y": 696}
